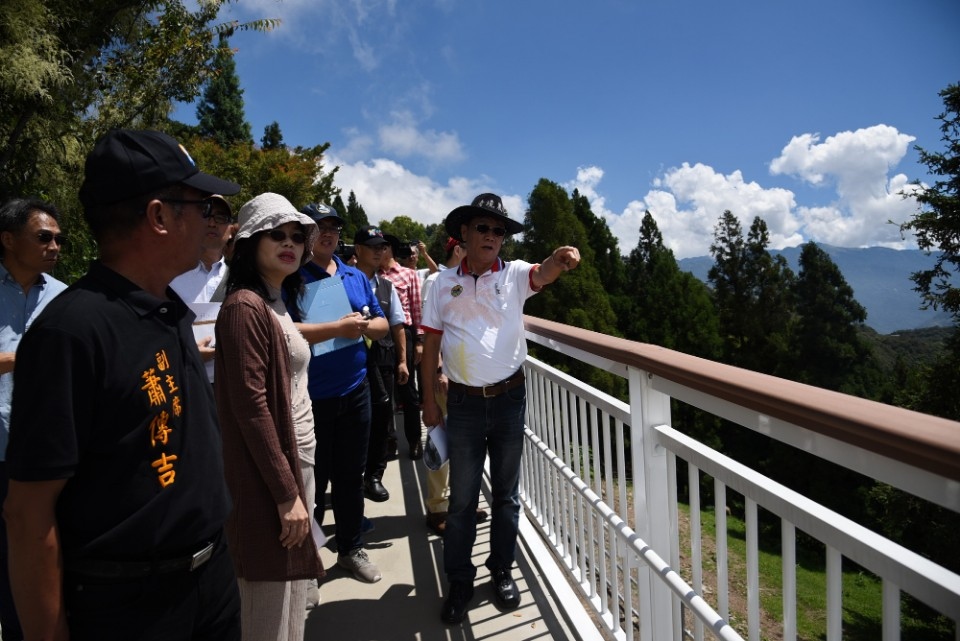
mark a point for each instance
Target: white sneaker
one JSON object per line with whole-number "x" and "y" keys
{"x": 313, "y": 594}
{"x": 359, "y": 563}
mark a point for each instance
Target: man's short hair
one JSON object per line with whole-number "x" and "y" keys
{"x": 15, "y": 213}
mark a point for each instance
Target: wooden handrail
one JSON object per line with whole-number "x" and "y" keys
{"x": 917, "y": 439}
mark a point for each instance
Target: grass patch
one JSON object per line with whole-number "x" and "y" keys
{"x": 862, "y": 591}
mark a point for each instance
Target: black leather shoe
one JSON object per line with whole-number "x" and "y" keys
{"x": 373, "y": 489}
{"x": 455, "y": 607}
{"x": 416, "y": 452}
{"x": 505, "y": 589}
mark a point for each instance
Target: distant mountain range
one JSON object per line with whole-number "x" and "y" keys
{"x": 880, "y": 279}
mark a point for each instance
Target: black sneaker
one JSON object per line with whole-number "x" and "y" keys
{"x": 455, "y": 607}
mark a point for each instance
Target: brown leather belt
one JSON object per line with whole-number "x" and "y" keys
{"x": 489, "y": 391}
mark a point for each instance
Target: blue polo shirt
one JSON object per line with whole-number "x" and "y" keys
{"x": 337, "y": 373}
{"x": 17, "y": 312}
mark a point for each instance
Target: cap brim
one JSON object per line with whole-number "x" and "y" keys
{"x": 464, "y": 214}
{"x": 372, "y": 242}
{"x": 211, "y": 184}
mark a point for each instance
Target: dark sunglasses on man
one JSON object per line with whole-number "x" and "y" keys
{"x": 497, "y": 231}
{"x": 220, "y": 217}
{"x": 44, "y": 237}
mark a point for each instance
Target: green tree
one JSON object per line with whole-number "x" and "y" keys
{"x": 577, "y": 298}
{"x": 827, "y": 343}
{"x": 668, "y": 307}
{"x": 937, "y": 227}
{"x": 732, "y": 294}
{"x": 220, "y": 112}
{"x": 354, "y": 214}
{"x": 73, "y": 70}
{"x": 606, "y": 251}
{"x": 771, "y": 314}
{"x": 298, "y": 175}
{"x": 404, "y": 228}
{"x": 272, "y": 137}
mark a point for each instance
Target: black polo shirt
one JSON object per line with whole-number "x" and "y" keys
{"x": 111, "y": 394}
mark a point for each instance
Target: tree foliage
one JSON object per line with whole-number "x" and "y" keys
{"x": 220, "y": 112}
{"x": 937, "y": 227}
{"x": 664, "y": 305}
{"x": 272, "y": 137}
{"x": 298, "y": 175}
{"x": 826, "y": 344}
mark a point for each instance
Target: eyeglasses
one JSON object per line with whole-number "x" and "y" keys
{"x": 497, "y": 231}
{"x": 206, "y": 211}
{"x": 44, "y": 237}
{"x": 327, "y": 229}
{"x": 298, "y": 237}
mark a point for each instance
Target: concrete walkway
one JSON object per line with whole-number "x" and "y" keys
{"x": 405, "y": 604}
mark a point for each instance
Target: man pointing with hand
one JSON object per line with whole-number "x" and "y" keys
{"x": 474, "y": 318}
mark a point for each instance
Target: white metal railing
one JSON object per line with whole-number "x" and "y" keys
{"x": 619, "y": 538}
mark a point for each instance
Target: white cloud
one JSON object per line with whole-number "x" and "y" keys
{"x": 857, "y": 163}
{"x": 387, "y": 189}
{"x": 686, "y": 201}
{"x": 402, "y": 138}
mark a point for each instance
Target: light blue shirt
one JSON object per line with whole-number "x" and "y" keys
{"x": 17, "y": 313}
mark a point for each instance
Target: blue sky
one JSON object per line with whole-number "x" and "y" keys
{"x": 802, "y": 113}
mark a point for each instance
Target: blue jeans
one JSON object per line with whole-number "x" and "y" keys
{"x": 342, "y": 425}
{"x": 478, "y": 426}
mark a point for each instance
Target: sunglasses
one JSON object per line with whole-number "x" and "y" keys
{"x": 44, "y": 237}
{"x": 325, "y": 229}
{"x": 206, "y": 211}
{"x": 298, "y": 237}
{"x": 497, "y": 231}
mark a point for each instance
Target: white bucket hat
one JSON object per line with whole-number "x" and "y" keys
{"x": 269, "y": 211}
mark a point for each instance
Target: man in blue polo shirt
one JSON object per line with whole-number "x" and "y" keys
{"x": 30, "y": 244}
{"x": 340, "y": 393}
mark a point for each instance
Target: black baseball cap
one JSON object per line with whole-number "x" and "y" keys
{"x": 319, "y": 211}
{"x": 370, "y": 237}
{"x": 126, "y": 163}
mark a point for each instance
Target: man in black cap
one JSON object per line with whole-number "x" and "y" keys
{"x": 117, "y": 497}
{"x": 386, "y": 359}
{"x": 474, "y": 317}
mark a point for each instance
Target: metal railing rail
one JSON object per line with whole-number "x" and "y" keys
{"x": 584, "y": 503}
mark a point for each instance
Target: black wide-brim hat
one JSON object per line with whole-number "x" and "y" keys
{"x": 483, "y": 205}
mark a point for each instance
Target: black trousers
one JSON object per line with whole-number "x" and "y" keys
{"x": 408, "y": 395}
{"x": 203, "y": 605}
{"x": 9, "y": 622}
{"x": 381, "y": 418}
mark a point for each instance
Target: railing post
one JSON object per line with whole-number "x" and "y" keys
{"x": 648, "y": 409}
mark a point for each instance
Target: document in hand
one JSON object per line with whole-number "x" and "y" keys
{"x": 203, "y": 326}
{"x": 325, "y": 301}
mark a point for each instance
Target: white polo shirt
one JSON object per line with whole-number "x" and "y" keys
{"x": 481, "y": 321}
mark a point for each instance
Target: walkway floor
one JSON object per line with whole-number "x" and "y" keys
{"x": 405, "y": 604}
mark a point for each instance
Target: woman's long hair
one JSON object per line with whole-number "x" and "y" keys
{"x": 243, "y": 274}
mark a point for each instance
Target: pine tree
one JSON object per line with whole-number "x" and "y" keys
{"x": 827, "y": 344}
{"x": 220, "y": 112}
{"x": 353, "y": 213}
{"x": 938, "y": 228}
{"x": 272, "y": 138}
{"x": 771, "y": 314}
{"x": 577, "y": 298}
{"x": 732, "y": 294}
{"x": 669, "y": 307}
